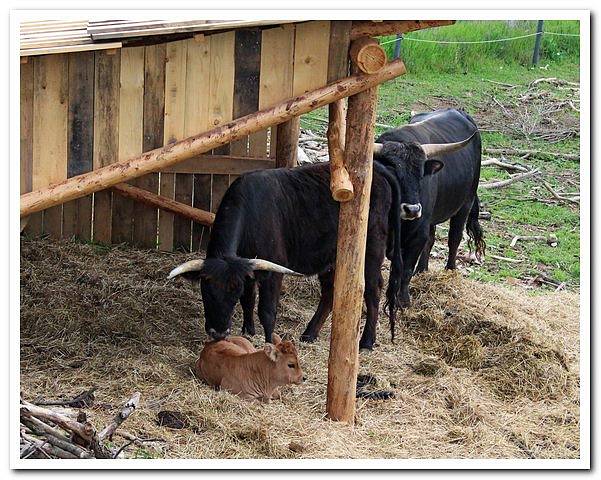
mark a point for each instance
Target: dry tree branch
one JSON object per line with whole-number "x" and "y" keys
{"x": 509, "y": 181}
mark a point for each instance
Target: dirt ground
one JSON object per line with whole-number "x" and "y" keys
{"x": 478, "y": 370}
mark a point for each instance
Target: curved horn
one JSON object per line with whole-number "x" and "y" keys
{"x": 433, "y": 149}
{"x": 259, "y": 264}
{"x": 191, "y": 266}
{"x": 377, "y": 148}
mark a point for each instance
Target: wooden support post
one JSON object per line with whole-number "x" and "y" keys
{"x": 286, "y": 149}
{"x": 164, "y": 203}
{"x": 176, "y": 152}
{"x": 349, "y": 281}
{"x": 340, "y": 182}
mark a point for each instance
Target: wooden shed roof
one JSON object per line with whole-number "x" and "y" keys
{"x": 56, "y": 36}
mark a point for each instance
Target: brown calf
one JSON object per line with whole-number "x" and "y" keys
{"x": 235, "y": 365}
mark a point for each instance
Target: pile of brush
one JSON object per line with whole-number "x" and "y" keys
{"x": 66, "y": 432}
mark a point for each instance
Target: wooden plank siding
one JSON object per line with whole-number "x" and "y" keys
{"x": 84, "y": 110}
{"x": 221, "y": 100}
{"x": 49, "y": 160}
{"x": 131, "y": 114}
{"x": 106, "y": 135}
{"x": 77, "y": 214}
{"x": 175, "y": 101}
{"x": 197, "y": 120}
{"x": 146, "y": 217}
{"x": 35, "y": 223}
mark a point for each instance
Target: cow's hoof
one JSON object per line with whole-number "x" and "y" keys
{"x": 250, "y": 332}
{"x": 307, "y": 338}
{"x": 366, "y": 349}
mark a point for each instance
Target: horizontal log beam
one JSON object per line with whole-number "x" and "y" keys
{"x": 220, "y": 165}
{"x": 164, "y": 203}
{"x": 176, "y": 152}
{"x": 367, "y": 28}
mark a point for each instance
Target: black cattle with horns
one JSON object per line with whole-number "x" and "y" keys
{"x": 451, "y": 194}
{"x": 284, "y": 221}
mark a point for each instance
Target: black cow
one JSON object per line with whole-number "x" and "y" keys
{"x": 288, "y": 217}
{"x": 450, "y": 194}
{"x": 416, "y": 155}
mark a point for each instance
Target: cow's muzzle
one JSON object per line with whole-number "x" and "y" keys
{"x": 218, "y": 335}
{"x": 411, "y": 211}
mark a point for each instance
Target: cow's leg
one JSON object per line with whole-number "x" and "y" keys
{"x": 323, "y": 309}
{"x": 456, "y": 227}
{"x": 247, "y": 300}
{"x": 373, "y": 289}
{"x": 413, "y": 246}
{"x": 424, "y": 259}
{"x": 269, "y": 295}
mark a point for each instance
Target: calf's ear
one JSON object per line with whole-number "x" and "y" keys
{"x": 432, "y": 166}
{"x": 271, "y": 352}
{"x": 275, "y": 338}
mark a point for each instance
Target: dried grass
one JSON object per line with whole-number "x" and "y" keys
{"x": 478, "y": 371}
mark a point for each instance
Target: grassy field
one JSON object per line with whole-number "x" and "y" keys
{"x": 492, "y": 82}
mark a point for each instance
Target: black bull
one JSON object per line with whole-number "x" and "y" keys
{"x": 287, "y": 217}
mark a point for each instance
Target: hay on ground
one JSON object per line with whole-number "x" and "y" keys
{"x": 478, "y": 371}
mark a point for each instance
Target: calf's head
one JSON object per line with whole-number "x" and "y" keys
{"x": 285, "y": 368}
{"x": 222, "y": 284}
{"x": 412, "y": 162}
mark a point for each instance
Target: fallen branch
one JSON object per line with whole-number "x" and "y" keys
{"x": 495, "y": 162}
{"x": 532, "y": 153}
{"x": 559, "y": 197}
{"x": 551, "y": 239}
{"x": 125, "y": 412}
{"x": 509, "y": 181}
{"x": 505, "y": 259}
{"x": 501, "y": 84}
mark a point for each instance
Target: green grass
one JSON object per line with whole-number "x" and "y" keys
{"x": 463, "y": 58}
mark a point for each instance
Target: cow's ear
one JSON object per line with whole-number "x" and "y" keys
{"x": 271, "y": 352}
{"x": 432, "y": 166}
{"x": 275, "y": 338}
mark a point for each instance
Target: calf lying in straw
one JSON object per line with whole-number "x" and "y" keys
{"x": 235, "y": 365}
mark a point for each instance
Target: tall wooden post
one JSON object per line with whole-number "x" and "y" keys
{"x": 286, "y": 150}
{"x": 349, "y": 282}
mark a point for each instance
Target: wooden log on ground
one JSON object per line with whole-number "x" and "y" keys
{"x": 340, "y": 182}
{"x": 173, "y": 153}
{"x": 367, "y": 54}
{"x": 368, "y": 28}
{"x": 349, "y": 282}
{"x": 167, "y": 204}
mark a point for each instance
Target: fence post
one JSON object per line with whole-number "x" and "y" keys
{"x": 397, "y": 46}
{"x": 539, "y": 36}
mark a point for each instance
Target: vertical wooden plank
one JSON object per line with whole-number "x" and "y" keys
{"x": 246, "y": 89}
{"x": 220, "y": 185}
{"x": 131, "y": 112}
{"x": 145, "y": 217}
{"x": 175, "y": 101}
{"x": 221, "y": 98}
{"x": 340, "y": 39}
{"x": 311, "y": 45}
{"x": 34, "y": 225}
{"x": 277, "y": 70}
{"x": 77, "y": 214}
{"x": 202, "y": 200}
{"x": 106, "y": 134}
{"x": 50, "y": 98}
{"x": 197, "y": 120}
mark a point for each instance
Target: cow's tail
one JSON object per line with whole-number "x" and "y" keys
{"x": 474, "y": 230}
{"x": 396, "y": 259}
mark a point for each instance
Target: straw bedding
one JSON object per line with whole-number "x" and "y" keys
{"x": 478, "y": 370}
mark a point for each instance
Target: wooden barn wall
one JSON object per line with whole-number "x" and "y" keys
{"x": 85, "y": 110}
